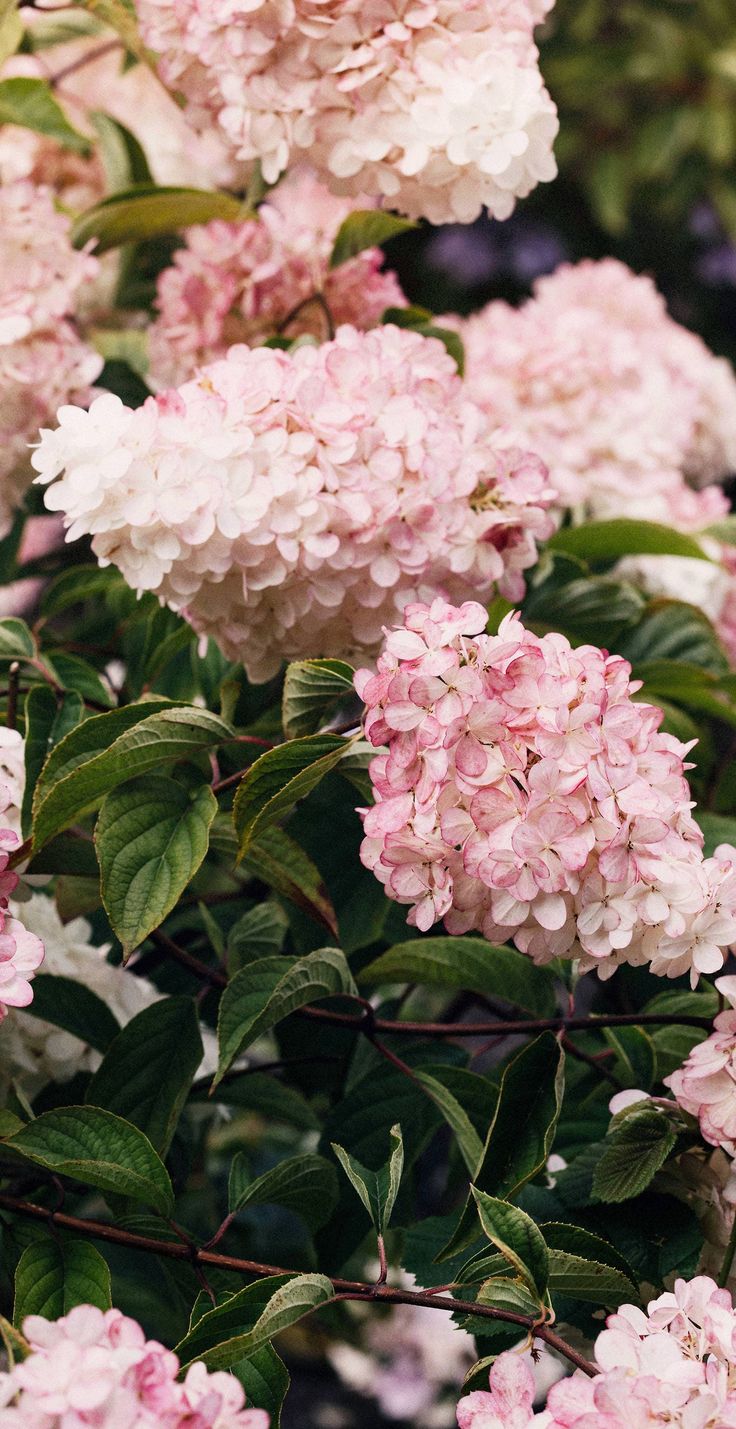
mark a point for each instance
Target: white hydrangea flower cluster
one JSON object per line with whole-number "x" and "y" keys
{"x": 290, "y": 504}
{"x": 436, "y": 106}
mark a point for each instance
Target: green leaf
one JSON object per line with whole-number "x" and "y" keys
{"x": 609, "y": 540}
{"x": 147, "y": 211}
{"x": 467, "y": 1138}
{"x": 517, "y": 1237}
{"x": 258, "y": 934}
{"x": 249, "y": 1320}
{"x": 30, "y": 104}
{"x": 265, "y": 992}
{"x": 47, "y": 721}
{"x": 312, "y": 690}
{"x": 587, "y": 1280}
{"x": 120, "y": 16}
{"x": 366, "y": 228}
{"x": 268, "y": 1098}
{"x": 562, "y": 1235}
{"x": 148, "y": 1070}
{"x": 98, "y": 1149}
{"x": 71, "y": 673}
{"x": 470, "y": 964}
{"x": 123, "y": 157}
{"x": 152, "y": 835}
{"x": 69, "y": 1004}
{"x": 636, "y": 1057}
{"x": 377, "y": 1189}
{"x": 11, "y": 31}
{"x": 265, "y": 1379}
{"x": 421, "y": 321}
{"x": 54, "y": 1275}
{"x": 13, "y": 1343}
{"x": 279, "y": 778}
{"x": 16, "y": 640}
{"x": 278, "y": 861}
{"x": 98, "y": 756}
{"x": 592, "y": 608}
{"x": 673, "y": 630}
{"x": 521, "y": 1134}
{"x": 717, "y": 829}
{"x": 636, "y": 1150}
{"x": 306, "y": 1184}
{"x": 722, "y": 530}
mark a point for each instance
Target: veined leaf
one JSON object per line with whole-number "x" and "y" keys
{"x": 468, "y": 963}
{"x": 98, "y": 1149}
{"x": 279, "y": 778}
{"x": 377, "y": 1189}
{"x": 250, "y": 1319}
{"x": 54, "y": 1275}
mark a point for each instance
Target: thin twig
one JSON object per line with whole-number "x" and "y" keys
{"x": 347, "y": 1289}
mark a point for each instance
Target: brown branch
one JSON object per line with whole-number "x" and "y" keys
{"x": 348, "y": 1289}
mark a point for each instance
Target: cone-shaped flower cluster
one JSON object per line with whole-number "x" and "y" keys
{"x": 97, "y": 1368}
{"x": 623, "y": 403}
{"x": 290, "y": 504}
{"x": 439, "y": 107}
{"x": 245, "y": 282}
{"x": 526, "y": 794}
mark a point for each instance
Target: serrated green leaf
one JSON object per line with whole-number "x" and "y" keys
{"x": 147, "y": 1071}
{"x": 99, "y": 1149}
{"x": 48, "y": 720}
{"x": 468, "y": 963}
{"x": 467, "y": 1138}
{"x": 263, "y": 1094}
{"x": 312, "y": 690}
{"x": 250, "y": 1319}
{"x": 636, "y": 1150}
{"x": 72, "y": 1005}
{"x": 279, "y": 778}
{"x": 148, "y": 211}
{"x": 636, "y": 1056}
{"x": 54, "y": 1275}
{"x": 279, "y": 862}
{"x": 366, "y": 228}
{"x": 266, "y": 1380}
{"x": 609, "y": 540}
{"x": 152, "y": 834}
{"x": 520, "y": 1136}
{"x": 95, "y": 758}
{"x": 30, "y": 104}
{"x": 16, "y": 640}
{"x": 518, "y": 1238}
{"x": 265, "y": 992}
{"x": 258, "y": 934}
{"x": 674, "y": 630}
{"x": 306, "y": 1184}
{"x": 587, "y": 1280}
{"x": 564, "y": 1236}
{"x": 377, "y": 1189}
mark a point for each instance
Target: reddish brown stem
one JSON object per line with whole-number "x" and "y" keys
{"x": 347, "y": 1289}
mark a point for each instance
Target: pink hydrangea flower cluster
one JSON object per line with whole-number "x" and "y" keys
{"x": 21, "y": 952}
{"x": 525, "y": 793}
{"x": 290, "y": 504}
{"x": 43, "y": 362}
{"x": 439, "y": 106}
{"x": 705, "y": 1084}
{"x": 97, "y": 1368}
{"x": 674, "y": 1364}
{"x": 245, "y": 282}
{"x": 623, "y": 424}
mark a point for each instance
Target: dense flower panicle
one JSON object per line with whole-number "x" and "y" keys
{"x": 623, "y": 423}
{"x": 290, "y": 504}
{"x": 673, "y": 1364}
{"x": 705, "y": 1085}
{"x": 245, "y": 282}
{"x": 43, "y": 362}
{"x": 97, "y": 1368}
{"x": 526, "y": 794}
{"x": 438, "y": 107}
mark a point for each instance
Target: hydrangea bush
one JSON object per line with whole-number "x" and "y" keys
{"x": 367, "y": 712}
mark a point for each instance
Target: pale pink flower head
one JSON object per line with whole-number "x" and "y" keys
{"x": 705, "y": 1084}
{"x": 43, "y": 361}
{"x": 508, "y": 1405}
{"x": 264, "y": 277}
{"x": 293, "y": 504}
{"x": 435, "y": 110}
{"x": 96, "y": 1368}
{"x": 622, "y": 424}
{"x": 525, "y": 794}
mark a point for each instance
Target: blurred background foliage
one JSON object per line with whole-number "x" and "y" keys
{"x": 646, "y": 91}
